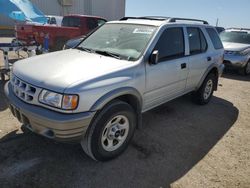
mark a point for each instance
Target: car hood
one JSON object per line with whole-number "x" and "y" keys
{"x": 56, "y": 71}
{"x": 230, "y": 46}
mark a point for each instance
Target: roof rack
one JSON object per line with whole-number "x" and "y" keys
{"x": 187, "y": 19}
{"x": 146, "y": 18}
{"x": 161, "y": 18}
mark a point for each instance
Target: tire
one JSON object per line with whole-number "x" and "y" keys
{"x": 107, "y": 136}
{"x": 246, "y": 70}
{"x": 59, "y": 44}
{"x": 2, "y": 77}
{"x": 204, "y": 94}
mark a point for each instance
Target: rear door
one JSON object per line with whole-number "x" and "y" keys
{"x": 167, "y": 79}
{"x": 198, "y": 58}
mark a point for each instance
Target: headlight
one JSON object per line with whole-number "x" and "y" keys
{"x": 51, "y": 98}
{"x": 244, "y": 52}
{"x": 66, "y": 102}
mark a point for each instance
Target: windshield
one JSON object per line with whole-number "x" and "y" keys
{"x": 235, "y": 36}
{"x": 127, "y": 41}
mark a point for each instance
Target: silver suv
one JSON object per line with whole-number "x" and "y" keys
{"x": 237, "y": 49}
{"x": 95, "y": 94}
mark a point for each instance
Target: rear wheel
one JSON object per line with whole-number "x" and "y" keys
{"x": 204, "y": 94}
{"x": 110, "y": 132}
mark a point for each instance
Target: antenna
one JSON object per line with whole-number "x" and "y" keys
{"x": 217, "y": 22}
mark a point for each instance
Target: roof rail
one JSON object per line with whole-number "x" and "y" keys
{"x": 162, "y": 18}
{"x": 146, "y": 18}
{"x": 187, "y": 19}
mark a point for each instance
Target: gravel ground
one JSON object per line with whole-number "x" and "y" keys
{"x": 181, "y": 145}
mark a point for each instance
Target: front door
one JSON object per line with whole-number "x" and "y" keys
{"x": 167, "y": 79}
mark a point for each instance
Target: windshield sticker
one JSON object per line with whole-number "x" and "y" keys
{"x": 143, "y": 30}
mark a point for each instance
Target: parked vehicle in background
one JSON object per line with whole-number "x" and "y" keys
{"x": 54, "y": 20}
{"x": 51, "y": 20}
{"x": 72, "y": 26}
{"x": 220, "y": 29}
{"x": 236, "y": 42}
{"x": 95, "y": 93}
{"x": 73, "y": 42}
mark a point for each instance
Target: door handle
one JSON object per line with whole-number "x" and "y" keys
{"x": 209, "y": 58}
{"x": 183, "y": 65}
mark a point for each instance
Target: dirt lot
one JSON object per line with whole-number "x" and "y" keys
{"x": 181, "y": 145}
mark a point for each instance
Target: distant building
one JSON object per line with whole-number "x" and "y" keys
{"x": 109, "y": 9}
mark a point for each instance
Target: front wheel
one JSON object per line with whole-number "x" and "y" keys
{"x": 204, "y": 94}
{"x": 110, "y": 132}
{"x": 246, "y": 69}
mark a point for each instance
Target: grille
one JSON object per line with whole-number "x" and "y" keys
{"x": 227, "y": 62}
{"x": 23, "y": 90}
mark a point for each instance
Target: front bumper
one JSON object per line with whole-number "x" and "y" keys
{"x": 48, "y": 123}
{"x": 235, "y": 61}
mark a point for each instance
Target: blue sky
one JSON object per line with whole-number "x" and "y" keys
{"x": 231, "y": 13}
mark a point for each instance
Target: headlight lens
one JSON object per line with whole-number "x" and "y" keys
{"x": 51, "y": 98}
{"x": 66, "y": 102}
{"x": 244, "y": 52}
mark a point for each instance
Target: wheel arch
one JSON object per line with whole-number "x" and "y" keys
{"x": 214, "y": 70}
{"x": 127, "y": 94}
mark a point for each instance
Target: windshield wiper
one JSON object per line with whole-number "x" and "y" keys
{"x": 106, "y": 53}
{"x": 84, "y": 49}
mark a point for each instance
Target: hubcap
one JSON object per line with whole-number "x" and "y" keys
{"x": 248, "y": 68}
{"x": 115, "y": 133}
{"x": 208, "y": 89}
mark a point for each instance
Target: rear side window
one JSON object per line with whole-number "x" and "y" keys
{"x": 214, "y": 38}
{"x": 71, "y": 22}
{"x": 197, "y": 41}
{"x": 171, "y": 44}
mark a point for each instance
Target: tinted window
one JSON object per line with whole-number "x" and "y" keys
{"x": 71, "y": 22}
{"x": 92, "y": 23}
{"x": 171, "y": 44}
{"x": 197, "y": 41}
{"x": 203, "y": 41}
{"x": 214, "y": 38}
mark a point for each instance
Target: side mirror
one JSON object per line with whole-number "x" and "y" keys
{"x": 154, "y": 57}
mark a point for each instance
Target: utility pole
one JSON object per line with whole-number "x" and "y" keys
{"x": 217, "y": 22}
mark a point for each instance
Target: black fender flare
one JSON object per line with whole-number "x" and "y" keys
{"x": 209, "y": 69}
{"x": 108, "y": 97}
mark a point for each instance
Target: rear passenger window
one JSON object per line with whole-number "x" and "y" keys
{"x": 214, "y": 38}
{"x": 71, "y": 22}
{"x": 171, "y": 44}
{"x": 92, "y": 23}
{"x": 197, "y": 41}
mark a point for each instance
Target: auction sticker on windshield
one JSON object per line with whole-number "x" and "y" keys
{"x": 144, "y": 30}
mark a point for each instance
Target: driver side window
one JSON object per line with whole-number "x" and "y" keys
{"x": 171, "y": 44}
